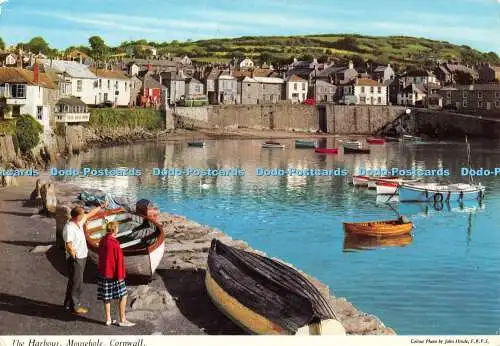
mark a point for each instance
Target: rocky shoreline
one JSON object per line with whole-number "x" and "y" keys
{"x": 187, "y": 244}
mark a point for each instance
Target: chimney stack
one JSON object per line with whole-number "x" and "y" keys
{"x": 351, "y": 65}
{"x": 150, "y": 67}
{"x": 36, "y": 73}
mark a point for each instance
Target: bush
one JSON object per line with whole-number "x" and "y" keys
{"x": 28, "y": 132}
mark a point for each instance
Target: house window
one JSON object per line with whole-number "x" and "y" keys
{"x": 100, "y": 83}
{"x": 497, "y": 104}
{"x": 39, "y": 113}
{"x": 294, "y": 86}
{"x": 106, "y": 96}
{"x": 479, "y": 95}
{"x": 18, "y": 91}
{"x": 362, "y": 89}
{"x": 197, "y": 88}
{"x": 379, "y": 100}
{"x": 116, "y": 85}
{"x": 379, "y": 90}
{"x": 79, "y": 86}
{"x": 371, "y": 89}
{"x": 109, "y": 84}
{"x": 126, "y": 85}
{"x": 497, "y": 94}
{"x": 362, "y": 99}
{"x": 464, "y": 103}
{"x": 303, "y": 86}
{"x": 464, "y": 94}
{"x": 448, "y": 94}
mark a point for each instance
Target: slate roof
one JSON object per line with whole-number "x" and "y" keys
{"x": 72, "y": 68}
{"x": 295, "y": 78}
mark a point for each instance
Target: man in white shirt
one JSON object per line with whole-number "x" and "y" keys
{"x": 76, "y": 257}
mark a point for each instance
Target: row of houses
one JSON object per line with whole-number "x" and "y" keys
{"x": 62, "y": 90}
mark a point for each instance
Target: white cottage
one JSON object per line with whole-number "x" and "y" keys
{"x": 365, "y": 92}
{"x": 112, "y": 86}
{"x": 296, "y": 89}
{"x": 75, "y": 79}
{"x": 25, "y": 92}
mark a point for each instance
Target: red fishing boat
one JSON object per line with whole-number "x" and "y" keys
{"x": 374, "y": 140}
{"x": 326, "y": 150}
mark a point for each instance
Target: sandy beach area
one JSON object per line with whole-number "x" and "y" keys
{"x": 174, "y": 303}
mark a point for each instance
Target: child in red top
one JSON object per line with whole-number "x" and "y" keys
{"x": 111, "y": 275}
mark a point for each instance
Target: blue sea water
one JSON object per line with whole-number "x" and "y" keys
{"x": 445, "y": 280}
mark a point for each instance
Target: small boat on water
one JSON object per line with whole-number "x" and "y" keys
{"x": 390, "y": 187}
{"x": 432, "y": 192}
{"x": 408, "y": 138}
{"x": 141, "y": 239}
{"x": 199, "y": 144}
{"x": 265, "y": 296}
{"x": 373, "y": 140}
{"x": 351, "y": 143}
{"x": 273, "y": 145}
{"x": 372, "y": 182}
{"x": 326, "y": 150}
{"x": 356, "y": 243}
{"x": 349, "y": 150}
{"x": 360, "y": 180}
{"x": 305, "y": 144}
{"x": 387, "y": 228}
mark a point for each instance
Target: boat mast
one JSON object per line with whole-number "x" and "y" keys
{"x": 471, "y": 179}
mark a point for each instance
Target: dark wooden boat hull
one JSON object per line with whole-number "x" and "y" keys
{"x": 356, "y": 151}
{"x": 265, "y": 296}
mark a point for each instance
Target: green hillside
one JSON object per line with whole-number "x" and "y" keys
{"x": 399, "y": 50}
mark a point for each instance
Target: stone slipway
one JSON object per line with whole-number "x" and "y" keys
{"x": 174, "y": 303}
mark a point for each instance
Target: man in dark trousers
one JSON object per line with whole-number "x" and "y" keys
{"x": 76, "y": 257}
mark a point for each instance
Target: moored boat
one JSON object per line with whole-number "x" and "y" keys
{"x": 349, "y": 150}
{"x": 326, "y": 150}
{"x": 351, "y": 143}
{"x": 390, "y": 186}
{"x": 372, "y": 183}
{"x": 438, "y": 193}
{"x": 354, "y": 242}
{"x": 264, "y": 296}
{"x": 196, "y": 144}
{"x": 305, "y": 144}
{"x": 273, "y": 146}
{"x": 391, "y": 139}
{"x": 141, "y": 239}
{"x": 360, "y": 180}
{"x": 373, "y": 140}
{"x": 408, "y": 138}
{"x": 387, "y": 228}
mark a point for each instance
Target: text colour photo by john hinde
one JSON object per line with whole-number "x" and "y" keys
{"x": 173, "y": 170}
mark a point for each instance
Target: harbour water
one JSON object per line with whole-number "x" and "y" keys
{"x": 444, "y": 280}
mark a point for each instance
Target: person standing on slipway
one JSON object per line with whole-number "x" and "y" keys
{"x": 76, "y": 256}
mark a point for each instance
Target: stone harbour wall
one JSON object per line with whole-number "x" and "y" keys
{"x": 328, "y": 118}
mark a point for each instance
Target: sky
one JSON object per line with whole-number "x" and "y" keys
{"x": 68, "y": 22}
